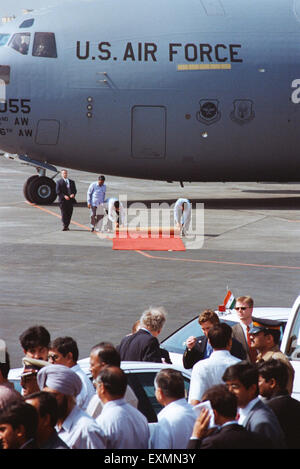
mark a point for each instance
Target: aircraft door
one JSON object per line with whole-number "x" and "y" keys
{"x": 148, "y": 132}
{"x": 47, "y": 132}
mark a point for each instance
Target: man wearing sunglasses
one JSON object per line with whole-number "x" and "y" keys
{"x": 240, "y": 331}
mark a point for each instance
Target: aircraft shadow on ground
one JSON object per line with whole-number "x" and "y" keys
{"x": 266, "y": 203}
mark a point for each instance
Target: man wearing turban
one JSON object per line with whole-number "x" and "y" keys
{"x": 75, "y": 427}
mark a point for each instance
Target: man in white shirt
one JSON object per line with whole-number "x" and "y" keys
{"x": 64, "y": 351}
{"x": 101, "y": 355}
{"x": 123, "y": 426}
{"x": 208, "y": 372}
{"x": 95, "y": 200}
{"x": 176, "y": 420}
{"x": 242, "y": 380}
{"x": 182, "y": 215}
{"x": 115, "y": 213}
{"x": 74, "y": 426}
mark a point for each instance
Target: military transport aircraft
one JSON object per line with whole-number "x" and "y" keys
{"x": 175, "y": 90}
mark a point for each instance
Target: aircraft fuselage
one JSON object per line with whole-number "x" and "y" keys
{"x": 159, "y": 90}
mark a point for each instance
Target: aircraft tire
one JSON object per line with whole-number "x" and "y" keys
{"x": 42, "y": 190}
{"x": 26, "y": 188}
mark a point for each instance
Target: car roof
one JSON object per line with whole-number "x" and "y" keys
{"x": 128, "y": 366}
{"x": 268, "y": 312}
{"x": 135, "y": 366}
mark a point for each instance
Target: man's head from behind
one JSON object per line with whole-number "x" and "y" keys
{"x": 153, "y": 319}
{"x": 242, "y": 380}
{"x": 223, "y": 402}
{"x": 111, "y": 384}
{"x": 169, "y": 386}
{"x": 18, "y": 424}
{"x": 220, "y": 336}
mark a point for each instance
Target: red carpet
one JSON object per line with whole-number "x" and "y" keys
{"x": 142, "y": 241}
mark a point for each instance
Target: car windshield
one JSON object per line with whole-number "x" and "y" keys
{"x": 176, "y": 342}
{"x": 4, "y": 39}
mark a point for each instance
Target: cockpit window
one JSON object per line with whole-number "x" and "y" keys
{"x": 20, "y": 42}
{"x": 44, "y": 45}
{"x": 27, "y": 23}
{"x": 3, "y": 39}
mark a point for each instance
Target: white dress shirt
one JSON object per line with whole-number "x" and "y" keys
{"x": 243, "y": 412}
{"x": 208, "y": 372}
{"x": 174, "y": 427}
{"x": 183, "y": 217}
{"x": 87, "y": 390}
{"x": 95, "y": 405}
{"x": 80, "y": 431}
{"x": 112, "y": 214}
{"x": 124, "y": 426}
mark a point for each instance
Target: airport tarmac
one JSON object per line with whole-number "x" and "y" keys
{"x": 75, "y": 284}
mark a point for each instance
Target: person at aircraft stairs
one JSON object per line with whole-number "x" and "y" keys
{"x": 66, "y": 191}
{"x": 95, "y": 202}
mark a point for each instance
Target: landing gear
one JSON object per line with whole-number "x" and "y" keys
{"x": 40, "y": 190}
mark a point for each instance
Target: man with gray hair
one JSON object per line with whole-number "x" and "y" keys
{"x": 143, "y": 345}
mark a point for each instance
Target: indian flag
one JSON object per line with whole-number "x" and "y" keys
{"x": 229, "y": 300}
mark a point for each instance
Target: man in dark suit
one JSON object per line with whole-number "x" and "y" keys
{"x": 242, "y": 380}
{"x": 273, "y": 378}
{"x": 198, "y": 348}
{"x": 227, "y": 434}
{"x": 66, "y": 191}
{"x": 143, "y": 345}
{"x": 241, "y": 331}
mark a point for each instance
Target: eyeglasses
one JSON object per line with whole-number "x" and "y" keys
{"x": 241, "y": 307}
{"x": 53, "y": 357}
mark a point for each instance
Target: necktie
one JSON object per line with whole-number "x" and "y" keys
{"x": 251, "y": 350}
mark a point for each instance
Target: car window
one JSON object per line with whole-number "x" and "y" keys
{"x": 143, "y": 386}
{"x": 293, "y": 345}
{"x": 175, "y": 343}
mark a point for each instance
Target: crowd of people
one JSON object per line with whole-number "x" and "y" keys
{"x": 239, "y": 395}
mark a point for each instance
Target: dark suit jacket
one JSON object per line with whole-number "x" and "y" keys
{"x": 190, "y": 357}
{"x": 62, "y": 189}
{"x": 287, "y": 411}
{"x": 140, "y": 346}
{"x": 261, "y": 419}
{"x": 231, "y": 436}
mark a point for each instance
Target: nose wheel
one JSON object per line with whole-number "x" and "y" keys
{"x": 40, "y": 190}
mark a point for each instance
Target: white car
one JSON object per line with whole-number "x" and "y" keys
{"x": 175, "y": 344}
{"x": 140, "y": 377}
